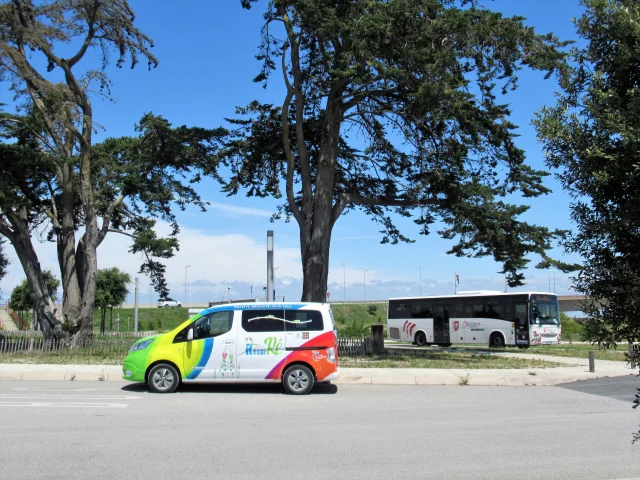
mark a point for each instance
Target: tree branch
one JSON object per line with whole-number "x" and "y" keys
{"x": 349, "y": 198}
{"x": 87, "y": 41}
{"x": 302, "y": 146}
{"x": 106, "y": 219}
{"x": 5, "y": 229}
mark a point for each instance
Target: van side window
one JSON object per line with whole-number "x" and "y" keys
{"x": 263, "y": 320}
{"x": 304, "y": 320}
{"x": 211, "y": 325}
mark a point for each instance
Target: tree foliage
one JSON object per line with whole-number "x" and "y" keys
{"x": 393, "y": 107}
{"x": 592, "y": 135}
{"x": 4, "y": 262}
{"x": 111, "y": 291}
{"x": 35, "y": 38}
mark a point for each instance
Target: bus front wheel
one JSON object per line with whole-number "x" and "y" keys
{"x": 496, "y": 341}
{"x": 421, "y": 339}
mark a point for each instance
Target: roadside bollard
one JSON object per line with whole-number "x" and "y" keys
{"x": 592, "y": 362}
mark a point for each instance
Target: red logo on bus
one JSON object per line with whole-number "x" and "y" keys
{"x": 456, "y": 325}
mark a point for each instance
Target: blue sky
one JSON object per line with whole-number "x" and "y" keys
{"x": 206, "y": 53}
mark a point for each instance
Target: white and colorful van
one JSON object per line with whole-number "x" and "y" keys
{"x": 291, "y": 343}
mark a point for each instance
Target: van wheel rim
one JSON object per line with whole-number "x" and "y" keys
{"x": 163, "y": 379}
{"x": 298, "y": 380}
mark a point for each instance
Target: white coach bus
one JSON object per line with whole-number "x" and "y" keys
{"x": 482, "y": 317}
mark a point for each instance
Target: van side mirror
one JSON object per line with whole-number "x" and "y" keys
{"x": 190, "y": 334}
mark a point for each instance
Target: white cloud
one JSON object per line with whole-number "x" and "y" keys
{"x": 236, "y": 211}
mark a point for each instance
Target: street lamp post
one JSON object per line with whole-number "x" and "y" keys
{"x": 420, "y": 267}
{"x": 185, "y": 284}
{"x": 364, "y": 285}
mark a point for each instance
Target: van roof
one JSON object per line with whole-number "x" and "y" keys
{"x": 264, "y": 305}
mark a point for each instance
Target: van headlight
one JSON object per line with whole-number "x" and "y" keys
{"x": 331, "y": 355}
{"x": 140, "y": 346}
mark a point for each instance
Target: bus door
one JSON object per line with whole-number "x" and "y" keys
{"x": 522, "y": 326}
{"x": 441, "y": 333}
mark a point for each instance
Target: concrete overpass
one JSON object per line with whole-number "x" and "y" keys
{"x": 571, "y": 303}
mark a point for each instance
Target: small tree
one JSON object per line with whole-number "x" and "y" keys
{"x": 111, "y": 290}
{"x": 571, "y": 329}
{"x": 21, "y": 299}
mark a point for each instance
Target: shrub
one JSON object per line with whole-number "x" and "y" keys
{"x": 372, "y": 309}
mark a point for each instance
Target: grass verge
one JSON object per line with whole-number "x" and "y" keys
{"x": 443, "y": 359}
{"x": 576, "y": 350}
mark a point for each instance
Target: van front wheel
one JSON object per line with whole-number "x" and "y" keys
{"x": 163, "y": 378}
{"x": 298, "y": 380}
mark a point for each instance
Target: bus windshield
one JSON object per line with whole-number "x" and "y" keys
{"x": 544, "y": 310}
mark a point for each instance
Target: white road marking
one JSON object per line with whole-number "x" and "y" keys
{"x": 7, "y": 396}
{"x": 64, "y": 390}
{"x": 63, "y": 405}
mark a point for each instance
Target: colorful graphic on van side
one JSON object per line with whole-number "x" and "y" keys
{"x": 228, "y": 368}
{"x": 273, "y": 344}
{"x": 204, "y": 358}
{"x": 300, "y": 355}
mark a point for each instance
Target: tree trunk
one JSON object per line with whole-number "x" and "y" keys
{"x": 103, "y": 320}
{"x": 111, "y": 319}
{"x": 72, "y": 294}
{"x": 315, "y": 250}
{"x": 315, "y": 268}
{"x": 43, "y": 305}
{"x": 89, "y": 250}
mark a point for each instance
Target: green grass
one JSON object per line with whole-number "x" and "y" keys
{"x": 356, "y": 319}
{"x": 576, "y": 350}
{"x": 442, "y": 359}
{"x": 64, "y": 358}
{"x": 159, "y": 319}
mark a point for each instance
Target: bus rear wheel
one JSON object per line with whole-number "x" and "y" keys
{"x": 496, "y": 340}
{"x": 421, "y": 339}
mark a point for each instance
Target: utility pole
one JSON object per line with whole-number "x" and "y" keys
{"x": 185, "y": 284}
{"x": 344, "y": 284}
{"x": 364, "y": 285}
{"x": 135, "y": 316}
{"x": 270, "y": 292}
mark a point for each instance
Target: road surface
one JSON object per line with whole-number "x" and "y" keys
{"x": 80, "y": 430}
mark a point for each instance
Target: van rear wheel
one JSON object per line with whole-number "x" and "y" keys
{"x": 298, "y": 380}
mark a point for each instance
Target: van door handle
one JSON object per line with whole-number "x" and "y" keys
{"x": 228, "y": 342}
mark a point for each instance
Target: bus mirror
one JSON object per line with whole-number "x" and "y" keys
{"x": 190, "y": 334}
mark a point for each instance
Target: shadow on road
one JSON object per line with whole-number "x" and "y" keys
{"x": 251, "y": 388}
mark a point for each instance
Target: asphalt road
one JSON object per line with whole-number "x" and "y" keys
{"x": 81, "y": 430}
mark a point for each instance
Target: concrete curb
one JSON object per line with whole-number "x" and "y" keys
{"x": 353, "y": 376}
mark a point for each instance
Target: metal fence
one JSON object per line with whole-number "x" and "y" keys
{"x": 25, "y": 343}
{"x": 355, "y": 347}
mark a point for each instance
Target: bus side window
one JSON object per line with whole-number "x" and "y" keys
{"x": 421, "y": 310}
{"x": 521, "y": 313}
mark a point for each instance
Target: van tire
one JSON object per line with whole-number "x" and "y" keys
{"x": 421, "y": 339}
{"x": 298, "y": 379}
{"x": 163, "y": 378}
